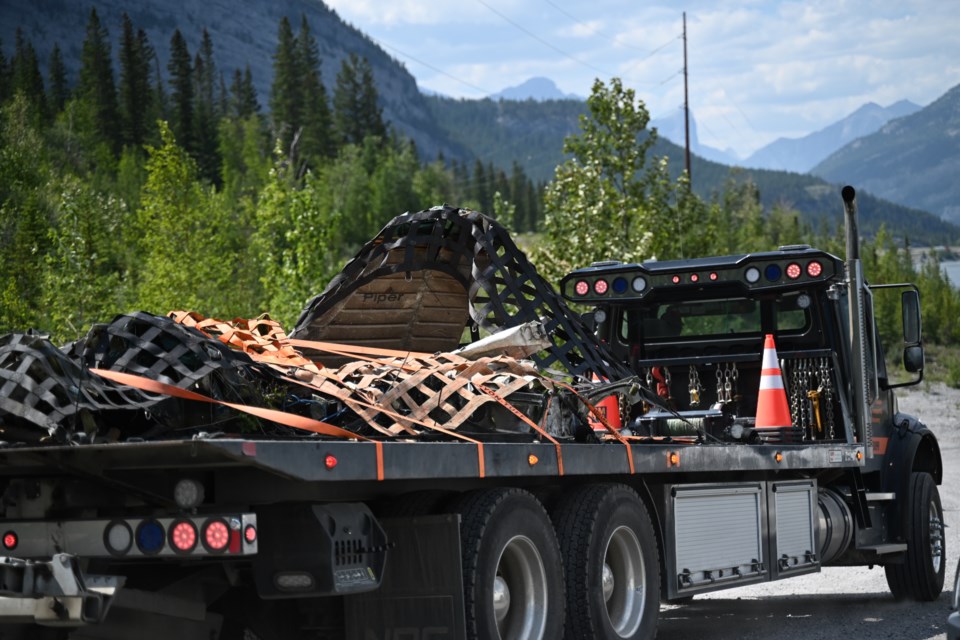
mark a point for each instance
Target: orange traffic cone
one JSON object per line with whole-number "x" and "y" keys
{"x": 772, "y": 408}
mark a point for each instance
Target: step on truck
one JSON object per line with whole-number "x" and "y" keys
{"x": 363, "y": 479}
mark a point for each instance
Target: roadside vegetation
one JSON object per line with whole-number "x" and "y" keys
{"x": 130, "y": 191}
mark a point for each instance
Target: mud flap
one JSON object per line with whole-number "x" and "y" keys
{"x": 421, "y": 595}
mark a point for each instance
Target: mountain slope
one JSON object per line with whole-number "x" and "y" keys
{"x": 534, "y": 89}
{"x": 672, "y": 127}
{"x": 801, "y": 154}
{"x": 242, "y": 35}
{"x": 913, "y": 160}
{"x": 532, "y": 133}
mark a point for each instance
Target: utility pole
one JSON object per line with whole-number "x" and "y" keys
{"x": 686, "y": 99}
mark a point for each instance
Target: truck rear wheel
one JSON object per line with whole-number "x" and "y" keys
{"x": 611, "y": 563}
{"x": 921, "y": 575}
{"x": 512, "y": 577}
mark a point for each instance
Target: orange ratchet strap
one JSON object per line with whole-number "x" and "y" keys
{"x": 280, "y": 417}
{"x": 481, "y": 458}
{"x": 603, "y": 420}
{"x": 512, "y": 409}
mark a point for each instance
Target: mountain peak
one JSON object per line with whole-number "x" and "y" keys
{"x": 537, "y": 88}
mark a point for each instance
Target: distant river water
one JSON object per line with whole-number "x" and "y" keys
{"x": 952, "y": 269}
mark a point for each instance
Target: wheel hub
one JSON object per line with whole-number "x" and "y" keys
{"x": 609, "y": 582}
{"x": 501, "y": 599}
{"x": 624, "y": 582}
{"x": 520, "y": 591}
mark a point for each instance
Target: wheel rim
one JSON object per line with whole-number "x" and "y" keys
{"x": 624, "y": 582}
{"x": 936, "y": 537}
{"x": 520, "y": 591}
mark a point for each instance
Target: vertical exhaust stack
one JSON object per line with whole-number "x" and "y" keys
{"x": 863, "y": 381}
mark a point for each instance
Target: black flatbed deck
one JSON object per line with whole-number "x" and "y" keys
{"x": 307, "y": 461}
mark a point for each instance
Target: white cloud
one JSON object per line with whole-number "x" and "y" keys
{"x": 759, "y": 69}
{"x": 364, "y": 13}
{"x": 593, "y": 28}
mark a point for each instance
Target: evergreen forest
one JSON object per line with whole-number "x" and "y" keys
{"x": 171, "y": 184}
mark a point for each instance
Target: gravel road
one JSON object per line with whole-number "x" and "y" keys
{"x": 849, "y": 602}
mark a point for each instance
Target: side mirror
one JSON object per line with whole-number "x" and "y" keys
{"x": 906, "y": 339}
{"x": 910, "y": 306}
{"x": 913, "y": 359}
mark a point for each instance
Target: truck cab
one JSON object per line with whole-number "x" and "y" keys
{"x": 694, "y": 330}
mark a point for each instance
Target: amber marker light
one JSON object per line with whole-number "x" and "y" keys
{"x": 673, "y": 459}
{"x": 532, "y": 459}
{"x": 778, "y": 457}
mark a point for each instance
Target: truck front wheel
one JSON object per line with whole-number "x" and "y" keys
{"x": 921, "y": 575}
{"x": 611, "y": 563}
{"x": 512, "y": 578}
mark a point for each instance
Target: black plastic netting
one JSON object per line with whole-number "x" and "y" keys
{"x": 503, "y": 288}
{"x": 49, "y": 394}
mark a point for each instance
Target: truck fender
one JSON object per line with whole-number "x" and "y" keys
{"x": 912, "y": 447}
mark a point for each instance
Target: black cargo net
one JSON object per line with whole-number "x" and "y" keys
{"x": 49, "y": 394}
{"x": 380, "y": 293}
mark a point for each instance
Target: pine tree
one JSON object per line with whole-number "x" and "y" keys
{"x": 244, "y": 94}
{"x": 5, "y": 91}
{"x": 135, "y": 91}
{"x": 160, "y": 105}
{"x": 371, "y": 114}
{"x": 96, "y": 85}
{"x": 356, "y": 112}
{"x": 26, "y": 75}
{"x": 205, "y": 111}
{"x": 286, "y": 91}
{"x": 317, "y": 139}
{"x": 58, "y": 81}
{"x": 181, "y": 92}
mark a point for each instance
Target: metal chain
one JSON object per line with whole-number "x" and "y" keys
{"x": 826, "y": 380}
{"x": 695, "y": 386}
{"x": 793, "y": 378}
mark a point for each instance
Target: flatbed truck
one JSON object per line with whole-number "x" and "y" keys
{"x": 646, "y": 501}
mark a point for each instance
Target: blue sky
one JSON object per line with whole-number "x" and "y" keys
{"x": 759, "y": 70}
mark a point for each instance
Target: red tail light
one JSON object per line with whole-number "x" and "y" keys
{"x": 216, "y": 535}
{"x": 10, "y": 540}
{"x": 250, "y": 534}
{"x": 600, "y": 287}
{"x": 793, "y": 271}
{"x": 183, "y": 536}
{"x": 814, "y": 269}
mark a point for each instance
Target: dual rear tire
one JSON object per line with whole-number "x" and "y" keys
{"x": 589, "y": 569}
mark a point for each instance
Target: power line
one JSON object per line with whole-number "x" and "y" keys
{"x": 544, "y": 42}
{"x": 430, "y": 66}
{"x": 615, "y": 37}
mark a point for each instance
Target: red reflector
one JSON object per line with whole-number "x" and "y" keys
{"x": 234, "y": 541}
{"x": 814, "y": 269}
{"x": 600, "y": 287}
{"x": 793, "y": 271}
{"x": 713, "y": 275}
{"x": 582, "y": 288}
{"x": 330, "y": 461}
{"x": 10, "y": 540}
{"x": 216, "y": 535}
{"x": 694, "y": 277}
{"x": 183, "y": 536}
{"x": 250, "y": 534}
